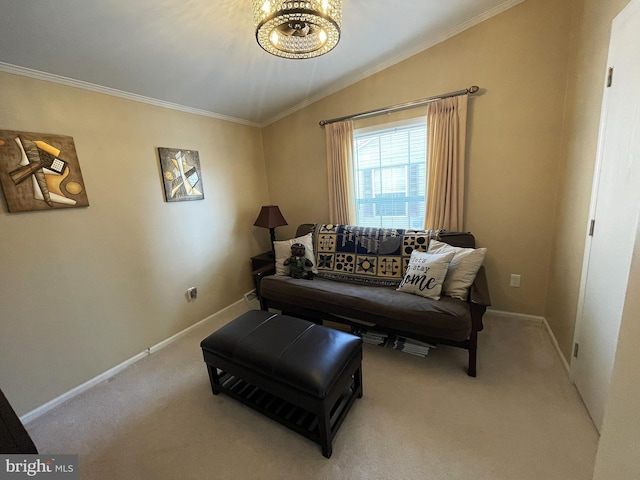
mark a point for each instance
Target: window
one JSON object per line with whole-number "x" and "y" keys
{"x": 390, "y": 175}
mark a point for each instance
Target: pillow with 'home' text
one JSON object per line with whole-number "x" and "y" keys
{"x": 462, "y": 270}
{"x": 425, "y": 274}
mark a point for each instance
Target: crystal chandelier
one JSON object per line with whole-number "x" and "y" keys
{"x": 302, "y": 29}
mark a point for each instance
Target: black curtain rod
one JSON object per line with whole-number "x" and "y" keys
{"x": 402, "y": 106}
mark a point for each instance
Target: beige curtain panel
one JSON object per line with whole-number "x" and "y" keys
{"x": 446, "y": 137}
{"x": 342, "y": 208}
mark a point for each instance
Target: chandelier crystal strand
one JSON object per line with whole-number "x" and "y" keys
{"x": 302, "y": 29}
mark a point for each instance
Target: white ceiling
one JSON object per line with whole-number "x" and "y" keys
{"x": 201, "y": 55}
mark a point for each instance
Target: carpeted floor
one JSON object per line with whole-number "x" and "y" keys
{"x": 420, "y": 418}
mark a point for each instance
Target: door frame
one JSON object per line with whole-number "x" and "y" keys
{"x": 630, "y": 10}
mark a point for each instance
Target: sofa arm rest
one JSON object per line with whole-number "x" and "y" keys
{"x": 479, "y": 291}
{"x": 259, "y": 274}
{"x": 264, "y": 271}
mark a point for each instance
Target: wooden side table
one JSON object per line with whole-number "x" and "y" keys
{"x": 262, "y": 260}
{"x": 266, "y": 259}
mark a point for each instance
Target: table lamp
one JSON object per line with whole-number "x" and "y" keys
{"x": 270, "y": 217}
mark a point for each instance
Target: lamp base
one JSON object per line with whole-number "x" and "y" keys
{"x": 273, "y": 239}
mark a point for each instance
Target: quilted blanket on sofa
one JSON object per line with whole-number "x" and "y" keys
{"x": 370, "y": 255}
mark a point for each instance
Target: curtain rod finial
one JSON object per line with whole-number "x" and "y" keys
{"x": 474, "y": 89}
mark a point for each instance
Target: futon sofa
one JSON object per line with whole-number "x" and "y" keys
{"x": 357, "y": 273}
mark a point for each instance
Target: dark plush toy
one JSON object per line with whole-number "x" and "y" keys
{"x": 298, "y": 264}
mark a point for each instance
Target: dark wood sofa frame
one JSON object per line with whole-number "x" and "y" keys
{"x": 478, "y": 301}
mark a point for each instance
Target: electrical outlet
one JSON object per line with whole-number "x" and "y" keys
{"x": 192, "y": 293}
{"x": 514, "y": 281}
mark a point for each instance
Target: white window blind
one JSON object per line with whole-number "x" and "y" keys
{"x": 390, "y": 175}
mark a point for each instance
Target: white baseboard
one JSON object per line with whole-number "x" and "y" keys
{"x": 182, "y": 333}
{"x": 41, "y": 410}
{"x": 518, "y": 316}
{"x": 543, "y": 322}
{"x": 240, "y": 305}
{"x": 557, "y": 347}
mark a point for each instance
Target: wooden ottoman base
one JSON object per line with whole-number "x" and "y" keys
{"x": 303, "y": 375}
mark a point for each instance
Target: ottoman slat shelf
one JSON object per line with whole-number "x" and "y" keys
{"x": 261, "y": 359}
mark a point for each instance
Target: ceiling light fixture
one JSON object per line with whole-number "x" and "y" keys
{"x": 302, "y": 29}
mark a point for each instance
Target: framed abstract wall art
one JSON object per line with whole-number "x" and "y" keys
{"x": 181, "y": 174}
{"x": 40, "y": 171}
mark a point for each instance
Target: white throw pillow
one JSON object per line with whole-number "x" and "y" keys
{"x": 462, "y": 270}
{"x": 283, "y": 251}
{"x": 425, "y": 274}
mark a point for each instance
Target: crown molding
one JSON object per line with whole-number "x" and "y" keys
{"x": 71, "y": 82}
{"x": 337, "y": 86}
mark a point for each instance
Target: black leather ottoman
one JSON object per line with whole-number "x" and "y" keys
{"x": 303, "y": 375}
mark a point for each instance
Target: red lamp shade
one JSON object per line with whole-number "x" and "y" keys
{"x": 270, "y": 217}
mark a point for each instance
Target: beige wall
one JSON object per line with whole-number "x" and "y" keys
{"x": 584, "y": 98}
{"x": 83, "y": 290}
{"x": 519, "y": 58}
{"x": 112, "y": 283}
{"x": 619, "y": 447}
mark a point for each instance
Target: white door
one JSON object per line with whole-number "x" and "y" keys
{"x": 615, "y": 207}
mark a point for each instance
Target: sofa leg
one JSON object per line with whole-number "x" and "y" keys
{"x": 473, "y": 351}
{"x": 263, "y": 304}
